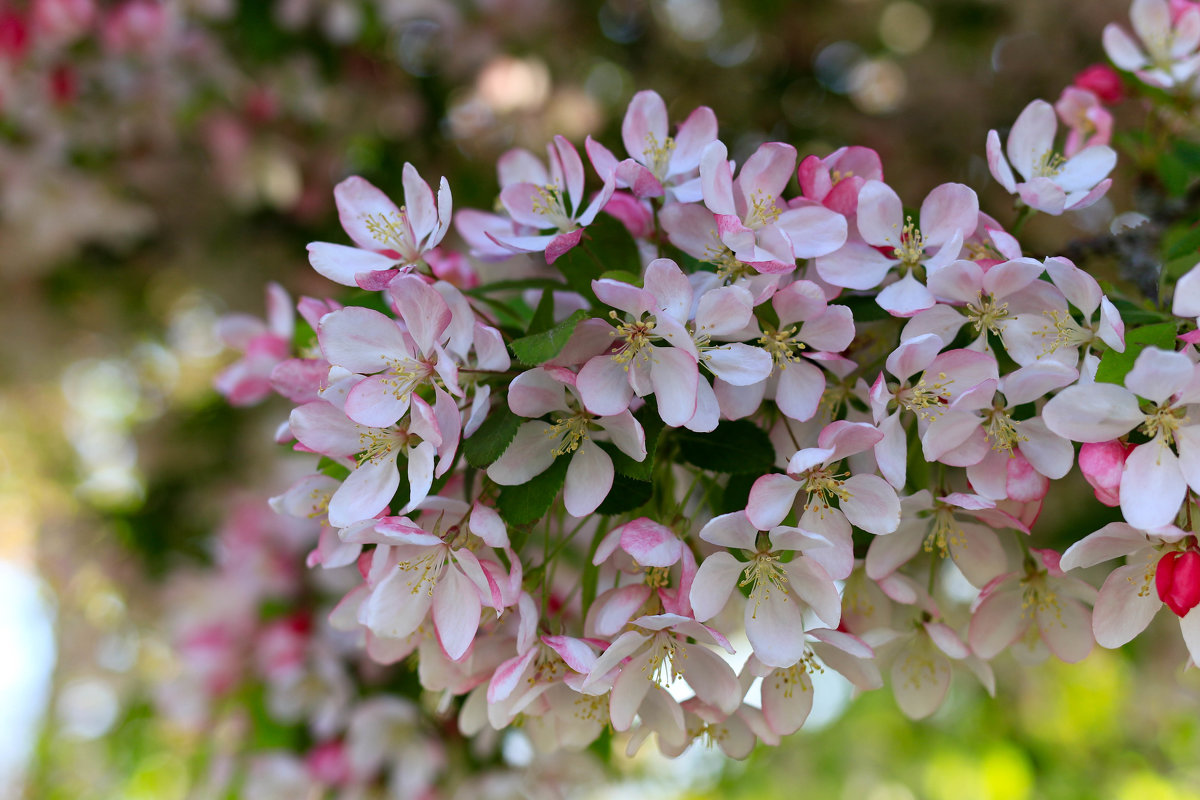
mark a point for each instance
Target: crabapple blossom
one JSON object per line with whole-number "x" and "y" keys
{"x": 948, "y": 215}
{"x": 1167, "y": 55}
{"x": 543, "y": 391}
{"x": 658, "y": 163}
{"x": 388, "y": 240}
{"x": 751, "y": 220}
{"x": 1050, "y": 183}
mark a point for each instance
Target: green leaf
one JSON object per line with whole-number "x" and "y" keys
{"x": 626, "y": 494}
{"x": 541, "y": 347}
{"x": 606, "y": 246}
{"x": 864, "y": 308}
{"x": 624, "y": 276}
{"x": 528, "y": 502}
{"x": 735, "y": 446}
{"x": 1185, "y": 244}
{"x": 1115, "y": 366}
{"x": 1174, "y": 174}
{"x": 492, "y": 438}
{"x": 1188, "y": 154}
{"x": 1132, "y": 313}
{"x": 543, "y": 315}
{"x": 515, "y": 285}
{"x": 736, "y": 495}
{"x": 652, "y": 425}
{"x": 334, "y": 469}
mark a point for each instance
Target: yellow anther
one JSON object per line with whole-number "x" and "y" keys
{"x": 658, "y": 156}
{"x": 986, "y": 314}
{"x": 911, "y": 249}
{"x": 761, "y": 574}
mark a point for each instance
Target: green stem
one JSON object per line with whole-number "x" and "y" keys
{"x": 1022, "y": 217}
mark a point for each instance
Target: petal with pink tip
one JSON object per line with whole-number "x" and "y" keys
{"x": 1032, "y": 136}
{"x": 1158, "y": 374}
{"x": 731, "y": 530}
{"x": 360, "y": 203}
{"x": 855, "y": 265}
{"x": 673, "y": 375}
{"x": 906, "y": 297}
{"x": 341, "y": 264}
{"x": 998, "y": 164}
{"x": 771, "y": 499}
{"x": 813, "y": 230}
{"x": 650, "y": 543}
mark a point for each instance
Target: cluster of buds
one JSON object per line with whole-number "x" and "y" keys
{"x": 718, "y": 436}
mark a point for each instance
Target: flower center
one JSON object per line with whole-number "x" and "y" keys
{"x": 986, "y": 314}
{"x": 1163, "y": 423}
{"x": 1001, "y": 430}
{"x": 943, "y": 533}
{"x": 763, "y": 210}
{"x": 782, "y": 345}
{"x": 911, "y": 249}
{"x": 1038, "y": 598}
{"x": 658, "y": 156}
{"x": 661, "y": 668}
{"x": 403, "y": 376}
{"x": 1049, "y": 165}
{"x": 822, "y": 486}
{"x": 637, "y": 336}
{"x": 549, "y": 203}
{"x": 428, "y": 569}
{"x": 1067, "y": 333}
{"x": 761, "y": 574}
{"x": 393, "y": 231}
{"x": 379, "y": 443}
{"x": 926, "y": 399}
{"x": 572, "y": 431}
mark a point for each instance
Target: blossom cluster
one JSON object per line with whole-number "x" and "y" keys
{"x": 711, "y": 435}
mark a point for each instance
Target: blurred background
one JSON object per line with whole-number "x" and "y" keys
{"x": 160, "y": 162}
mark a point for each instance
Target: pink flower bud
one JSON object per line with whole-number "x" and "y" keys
{"x": 329, "y": 764}
{"x": 1102, "y": 464}
{"x": 1178, "y": 581}
{"x": 14, "y": 36}
{"x": 1103, "y": 81}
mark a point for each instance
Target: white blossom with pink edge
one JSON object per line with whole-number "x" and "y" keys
{"x": 659, "y": 164}
{"x": 543, "y": 206}
{"x": 752, "y": 221}
{"x": 1166, "y": 56}
{"x": 781, "y": 589}
{"x": 1156, "y": 474}
{"x": 388, "y": 240}
{"x": 1050, "y": 183}
{"x": 551, "y": 390}
{"x": 1032, "y": 612}
{"x": 948, "y": 215}
{"x": 864, "y": 500}
{"x": 263, "y": 347}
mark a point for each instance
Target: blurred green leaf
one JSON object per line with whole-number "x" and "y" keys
{"x": 1115, "y": 366}
{"x": 492, "y": 438}
{"x": 541, "y": 347}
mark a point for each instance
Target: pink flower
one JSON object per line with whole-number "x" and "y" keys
{"x": 1089, "y": 122}
{"x": 1051, "y": 183}
{"x": 836, "y": 180}
{"x": 863, "y": 500}
{"x": 1156, "y": 474}
{"x": 388, "y": 240}
{"x": 263, "y": 347}
{"x": 784, "y": 580}
{"x": 1126, "y": 603}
